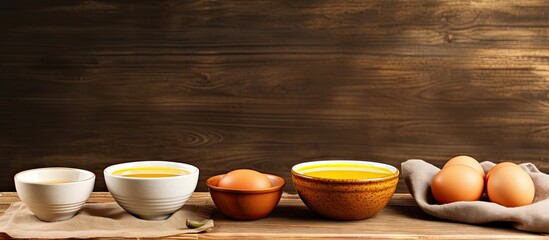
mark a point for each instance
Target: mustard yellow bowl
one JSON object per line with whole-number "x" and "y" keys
{"x": 344, "y": 198}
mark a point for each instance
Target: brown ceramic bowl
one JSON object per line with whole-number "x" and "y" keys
{"x": 345, "y": 199}
{"x": 246, "y": 204}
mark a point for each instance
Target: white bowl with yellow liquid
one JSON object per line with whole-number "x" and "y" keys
{"x": 55, "y": 193}
{"x": 151, "y": 190}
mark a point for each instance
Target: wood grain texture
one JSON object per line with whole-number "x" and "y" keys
{"x": 401, "y": 219}
{"x": 268, "y": 84}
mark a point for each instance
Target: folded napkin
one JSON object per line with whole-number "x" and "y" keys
{"x": 101, "y": 220}
{"x": 534, "y": 217}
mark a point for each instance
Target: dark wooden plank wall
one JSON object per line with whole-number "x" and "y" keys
{"x": 268, "y": 84}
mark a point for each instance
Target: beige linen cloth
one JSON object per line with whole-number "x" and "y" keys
{"x": 534, "y": 217}
{"x": 101, "y": 220}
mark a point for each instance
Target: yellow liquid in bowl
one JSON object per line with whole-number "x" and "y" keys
{"x": 344, "y": 171}
{"x": 150, "y": 172}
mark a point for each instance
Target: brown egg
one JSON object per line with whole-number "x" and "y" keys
{"x": 244, "y": 179}
{"x": 511, "y": 187}
{"x": 457, "y": 183}
{"x": 466, "y": 160}
{"x": 498, "y": 166}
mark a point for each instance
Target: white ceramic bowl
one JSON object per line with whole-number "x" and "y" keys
{"x": 151, "y": 198}
{"x": 54, "y": 194}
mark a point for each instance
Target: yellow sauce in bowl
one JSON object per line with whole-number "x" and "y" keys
{"x": 150, "y": 172}
{"x": 344, "y": 171}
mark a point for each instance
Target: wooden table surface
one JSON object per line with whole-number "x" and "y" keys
{"x": 401, "y": 219}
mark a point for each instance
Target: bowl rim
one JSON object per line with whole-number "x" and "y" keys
{"x": 394, "y": 170}
{"x": 193, "y": 170}
{"x": 246, "y": 191}
{"x": 18, "y": 179}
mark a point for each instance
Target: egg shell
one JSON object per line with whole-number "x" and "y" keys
{"x": 457, "y": 183}
{"x": 498, "y": 166}
{"x": 511, "y": 187}
{"x": 244, "y": 179}
{"x": 466, "y": 160}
